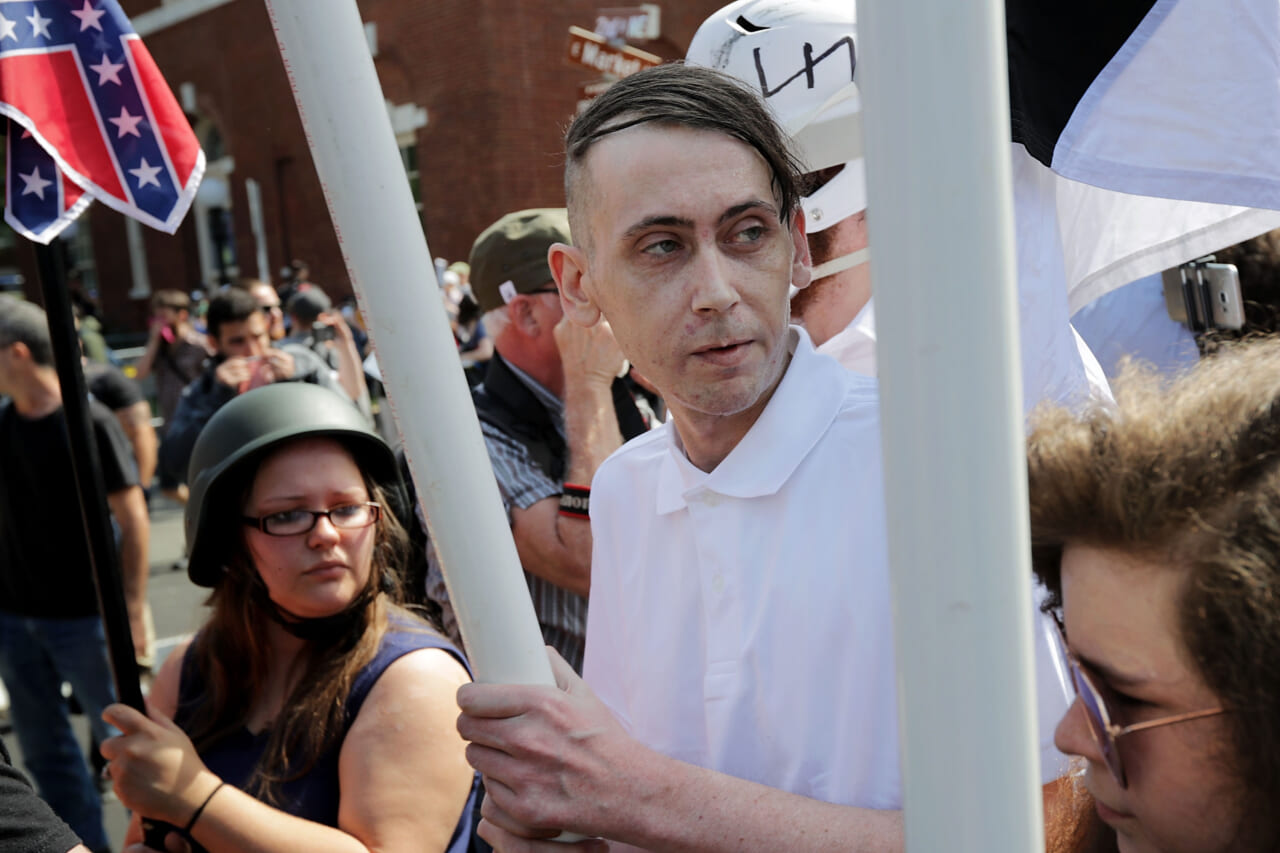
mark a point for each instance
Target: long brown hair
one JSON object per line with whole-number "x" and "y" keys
{"x": 229, "y": 653}
{"x": 1187, "y": 475}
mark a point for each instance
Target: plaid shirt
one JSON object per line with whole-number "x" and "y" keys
{"x": 522, "y": 483}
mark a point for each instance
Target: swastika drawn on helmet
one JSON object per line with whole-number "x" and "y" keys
{"x": 810, "y": 62}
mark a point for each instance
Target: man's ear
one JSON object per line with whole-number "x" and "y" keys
{"x": 520, "y": 312}
{"x": 20, "y": 350}
{"x": 802, "y": 262}
{"x": 569, "y": 268}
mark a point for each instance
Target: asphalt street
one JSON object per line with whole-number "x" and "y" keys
{"x": 177, "y": 606}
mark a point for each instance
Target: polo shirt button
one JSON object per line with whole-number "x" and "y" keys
{"x": 717, "y": 583}
{"x": 711, "y": 499}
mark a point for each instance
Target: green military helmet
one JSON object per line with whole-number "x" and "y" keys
{"x": 241, "y": 433}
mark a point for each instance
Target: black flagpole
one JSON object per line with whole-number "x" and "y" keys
{"x": 92, "y": 492}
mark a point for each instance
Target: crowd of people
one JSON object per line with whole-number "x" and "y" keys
{"x": 674, "y": 376}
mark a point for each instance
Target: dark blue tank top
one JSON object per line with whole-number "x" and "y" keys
{"x": 315, "y": 795}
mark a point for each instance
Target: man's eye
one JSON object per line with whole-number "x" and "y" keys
{"x": 661, "y": 247}
{"x": 749, "y": 235}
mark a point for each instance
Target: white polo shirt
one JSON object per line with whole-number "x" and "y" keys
{"x": 741, "y": 620}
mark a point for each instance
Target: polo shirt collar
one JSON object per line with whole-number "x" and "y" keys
{"x": 803, "y": 406}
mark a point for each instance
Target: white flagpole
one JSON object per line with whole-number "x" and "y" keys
{"x": 934, "y": 83}
{"x": 345, "y": 118}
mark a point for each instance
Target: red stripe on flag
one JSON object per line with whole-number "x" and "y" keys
{"x": 71, "y": 192}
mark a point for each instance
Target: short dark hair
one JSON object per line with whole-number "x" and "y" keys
{"x": 23, "y": 322}
{"x": 687, "y": 96}
{"x": 174, "y": 300}
{"x": 308, "y": 304}
{"x": 231, "y": 305}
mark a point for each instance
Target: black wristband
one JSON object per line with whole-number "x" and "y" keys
{"x": 575, "y": 501}
{"x": 186, "y": 830}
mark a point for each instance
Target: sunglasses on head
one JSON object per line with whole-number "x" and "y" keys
{"x": 1098, "y": 714}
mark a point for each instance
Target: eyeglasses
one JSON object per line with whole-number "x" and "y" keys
{"x": 295, "y": 522}
{"x": 1105, "y": 732}
{"x": 270, "y": 309}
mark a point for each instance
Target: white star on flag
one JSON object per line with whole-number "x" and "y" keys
{"x": 34, "y": 183}
{"x": 146, "y": 174}
{"x": 108, "y": 72}
{"x": 39, "y": 25}
{"x": 126, "y": 124}
{"x": 89, "y": 17}
{"x": 7, "y": 28}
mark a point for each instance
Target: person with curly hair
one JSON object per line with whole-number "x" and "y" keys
{"x": 1156, "y": 528}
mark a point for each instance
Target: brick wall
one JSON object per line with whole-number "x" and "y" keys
{"x": 490, "y": 73}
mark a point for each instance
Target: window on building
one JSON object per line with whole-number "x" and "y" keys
{"x": 80, "y": 263}
{"x": 409, "y": 157}
{"x": 8, "y": 239}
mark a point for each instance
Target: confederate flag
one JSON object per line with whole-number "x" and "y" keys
{"x": 91, "y": 117}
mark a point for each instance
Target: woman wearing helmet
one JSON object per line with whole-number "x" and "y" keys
{"x": 310, "y": 711}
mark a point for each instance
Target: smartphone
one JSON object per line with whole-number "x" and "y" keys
{"x": 1204, "y": 295}
{"x": 321, "y": 332}
{"x": 259, "y": 368}
{"x": 1222, "y": 292}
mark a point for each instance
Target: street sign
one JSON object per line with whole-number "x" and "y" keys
{"x": 593, "y": 89}
{"x": 592, "y": 51}
{"x": 630, "y": 23}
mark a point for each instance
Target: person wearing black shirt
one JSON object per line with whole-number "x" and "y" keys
{"x": 27, "y": 824}
{"x": 50, "y": 631}
{"x": 110, "y": 387}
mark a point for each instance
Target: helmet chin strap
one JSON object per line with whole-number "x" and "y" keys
{"x": 842, "y": 263}
{"x": 833, "y": 266}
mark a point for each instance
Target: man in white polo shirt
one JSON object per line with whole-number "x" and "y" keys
{"x": 739, "y": 639}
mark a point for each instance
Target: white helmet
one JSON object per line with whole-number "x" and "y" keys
{"x": 801, "y": 56}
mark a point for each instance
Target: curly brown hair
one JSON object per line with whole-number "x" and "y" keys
{"x": 1186, "y": 474}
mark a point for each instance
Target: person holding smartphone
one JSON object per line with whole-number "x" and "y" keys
{"x": 244, "y": 358}
{"x": 315, "y": 325}
{"x": 175, "y": 350}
